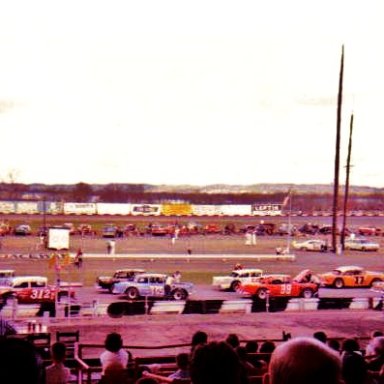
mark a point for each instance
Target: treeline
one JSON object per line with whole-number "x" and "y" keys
{"x": 145, "y": 194}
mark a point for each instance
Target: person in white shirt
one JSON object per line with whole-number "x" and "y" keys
{"x": 114, "y": 352}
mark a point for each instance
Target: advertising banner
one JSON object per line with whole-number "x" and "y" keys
{"x": 176, "y": 209}
{"x": 80, "y": 208}
{"x": 146, "y": 209}
{"x": 266, "y": 209}
{"x": 113, "y": 209}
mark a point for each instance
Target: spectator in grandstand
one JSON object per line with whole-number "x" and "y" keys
{"x": 267, "y": 347}
{"x": 146, "y": 380}
{"x": 233, "y": 340}
{"x": 198, "y": 338}
{"x": 334, "y": 344}
{"x": 304, "y": 360}
{"x": 215, "y": 362}
{"x": 321, "y": 336}
{"x": 376, "y": 362}
{"x": 353, "y": 365}
{"x": 6, "y": 328}
{"x": 369, "y": 348}
{"x": 251, "y": 346}
{"x": 57, "y": 372}
{"x": 114, "y": 351}
{"x": 20, "y": 362}
{"x": 247, "y": 367}
{"x": 182, "y": 362}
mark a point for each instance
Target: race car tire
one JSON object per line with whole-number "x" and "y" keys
{"x": 179, "y": 294}
{"x": 132, "y": 293}
{"x": 235, "y": 285}
{"x": 307, "y": 293}
{"x": 262, "y": 294}
{"x": 338, "y": 283}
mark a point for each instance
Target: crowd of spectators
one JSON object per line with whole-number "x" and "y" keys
{"x": 300, "y": 360}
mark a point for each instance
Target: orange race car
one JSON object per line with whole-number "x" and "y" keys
{"x": 350, "y": 276}
{"x": 278, "y": 285}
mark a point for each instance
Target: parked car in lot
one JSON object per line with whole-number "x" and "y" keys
{"x": 33, "y": 290}
{"x": 361, "y": 245}
{"x": 350, "y": 276}
{"x": 278, "y": 285}
{"x": 125, "y": 274}
{"x": 6, "y": 276}
{"x": 22, "y": 230}
{"x": 369, "y": 231}
{"x": 109, "y": 230}
{"x": 235, "y": 278}
{"x": 153, "y": 285}
{"x": 310, "y": 245}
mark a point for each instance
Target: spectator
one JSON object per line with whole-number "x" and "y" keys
{"x": 334, "y": 344}
{"x": 79, "y": 258}
{"x": 182, "y": 361}
{"x": 198, "y": 338}
{"x": 20, "y": 362}
{"x": 354, "y": 368}
{"x": 369, "y": 349}
{"x": 215, "y": 362}
{"x": 57, "y": 373}
{"x": 267, "y": 347}
{"x": 146, "y": 380}
{"x": 304, "y": 360}
{"x": 114, "y": 351}
{"x": 6, "y": 328}
{"x": 321, "y": 336}
{"x": 251, "y": 346}
{"x": 376, "y": 362}
{"x": 247, "y": 367}
{"x": 233, "y": 340}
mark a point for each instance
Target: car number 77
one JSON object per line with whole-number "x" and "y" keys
{"x": 359, "y": 280}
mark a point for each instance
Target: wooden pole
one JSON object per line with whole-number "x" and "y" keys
{"x": 337, "y": 155}
{"x": 346, "y": 194}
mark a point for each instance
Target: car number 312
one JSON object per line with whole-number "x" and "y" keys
{"x": 38, "y": 294}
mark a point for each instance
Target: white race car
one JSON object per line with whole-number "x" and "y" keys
{"x": 236, "y": 278}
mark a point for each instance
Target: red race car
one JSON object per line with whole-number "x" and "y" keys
{"x": 281, "y": 285}
{"x": 33, "y": 290}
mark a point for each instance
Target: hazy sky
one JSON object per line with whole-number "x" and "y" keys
{"x": 189, "y": 92}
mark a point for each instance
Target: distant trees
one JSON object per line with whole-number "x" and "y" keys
{"x": 82, "y": 192}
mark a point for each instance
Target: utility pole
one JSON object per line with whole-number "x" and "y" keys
{"x": 346, "y": 194}
{"x": 337, "y": 155}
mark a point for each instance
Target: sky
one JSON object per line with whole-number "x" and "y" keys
{"x": 189, "y": 92}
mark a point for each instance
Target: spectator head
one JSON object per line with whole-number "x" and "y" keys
{"x": 58, "y": 350}
{"x": 19, "y": 362}
{"x": 321, "y": 336}
{"x": 242, "y": 353}
{"x": 182, "y": 360}
{"x": 267, "y": 347}
{"x": 233, "y": 340}
{"x": 376, "y": 333}
{"x": 378, "y": 345}
{"x": 199, "y": 337}
{"x": 215, "y": 362}
{"x": 333, "y": 344}
{"x": 251, "y": 346}
{"x": 304, "y": 360}
{"x": 113, "y": 342}
{"x": 350, "y": 345}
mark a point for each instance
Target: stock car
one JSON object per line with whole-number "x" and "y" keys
{"x": 153, "y": 285}
{"x": 361, "y": 245}
{"x": 279, "y": 285}
{"x": 310, "y": 245}
{"x": 350, "y": 276}
{"x": 32, "y": 290}
{"x": 125, "y": 274}
{"x": 232, "y": 281}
